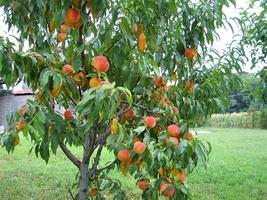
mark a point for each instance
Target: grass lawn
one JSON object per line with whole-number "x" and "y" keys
{"x": 237, "y": 170}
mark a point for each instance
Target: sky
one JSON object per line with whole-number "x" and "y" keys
{"x": 226, "y": 35}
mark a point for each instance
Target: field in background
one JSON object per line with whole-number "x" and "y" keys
{"x": 256, "y": 119}
{"x": 236, "y": 170}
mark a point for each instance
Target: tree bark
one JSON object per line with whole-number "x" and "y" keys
{"x": 83, "y": 181}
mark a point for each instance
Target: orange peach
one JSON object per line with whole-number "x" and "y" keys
{"x": 72, "y": 17}
{"x": 100, "y": 64}
{"x": 139, "y": 147}
{"x": 142, "y": 184}
{"x": 150, "y": 122}
{"x": 67, "y": 69}
{"x": 190, "y": 53}
{"x": 173, "y": 130}
{"x": 63, "y": 28}
{"x": 68, "y": 115}
{"x": 61, "y": 37}
{"x": 167, "y": 189}
{"x": 94, "y": 82}
{"x": 188, "y": 136}
{"x": 124, "y": 155}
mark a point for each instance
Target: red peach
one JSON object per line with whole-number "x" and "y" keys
{"x": 100, "y": 63}
{"x": 139, "y": 147}
{"x": 150, "y": 122}
{"x": 124, "y": 155}
{"x": 173, "y": 130}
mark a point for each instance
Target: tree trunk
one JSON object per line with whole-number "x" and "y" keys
{"x": 83, "y": 181}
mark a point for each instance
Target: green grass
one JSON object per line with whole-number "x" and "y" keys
{"x": 237, "y": 170}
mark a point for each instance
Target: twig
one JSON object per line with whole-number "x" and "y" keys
{"x": 72, "y": 158}
{"x": 96, "y": 161}
{"x": 107, "y": 166}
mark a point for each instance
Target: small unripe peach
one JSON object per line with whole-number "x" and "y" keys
{"x": 129, "y": 114}
{"x": 142, "y": 184}
{"x": 67, "y": 69}
{"x": 68, "y": 115}
{"x": 150, "y": 122}
{"x": 190, "y": 53}
{"x": 181, "y": 176}
{"x": 63, "y": 28}
{"x": 139, "y": 147}
{"x": 124, "y": 155}
{"x": 167, "y": 189}
{"x": 61, "y": 37}
{"x": 100, "y": 63}
{"x": 173, "y": 130}
{"x": 94, "y": 82}
{"x": 188, "y": 136}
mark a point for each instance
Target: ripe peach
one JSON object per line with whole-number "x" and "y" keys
{"x": 61, "y": 37}
{"x": 63, "y": 28}
{"x": 173, "y": 130}
{"x": 150, "y": 122}
{"x": 68, "y": 115}
{"x": 94, "y": 82}
{"x": 188, "y": 136}
{"x": 72, "y": 17}
{"x": 21, "y": 125}
{"x": 139, "y": 147}
{"x": 167, "y": 189}
{"x": 142, "y": 184}
{"x": 190, "y": 53}
{"x": 124, "y": 155}
{"x": 100, "y": 63}
{"x": 181, "y": 176}
{"x": 67, "y": 69}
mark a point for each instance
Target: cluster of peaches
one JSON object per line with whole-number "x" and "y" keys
{"x": 125, "y": 156}
{"x": 100, "y": 64}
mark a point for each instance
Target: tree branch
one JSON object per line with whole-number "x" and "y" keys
{"x": 67, "y": 152}
{"x": 96, "y": 161}
{"x": 107, "y": 166}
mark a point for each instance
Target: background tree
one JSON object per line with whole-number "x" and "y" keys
{"x": 254, "y": 26}
{"x": 130, "y": 76}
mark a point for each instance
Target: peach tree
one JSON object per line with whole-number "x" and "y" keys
{"x": 132, "y": 77}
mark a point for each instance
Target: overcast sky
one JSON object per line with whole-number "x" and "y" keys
{"x": 226, "y": 36}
